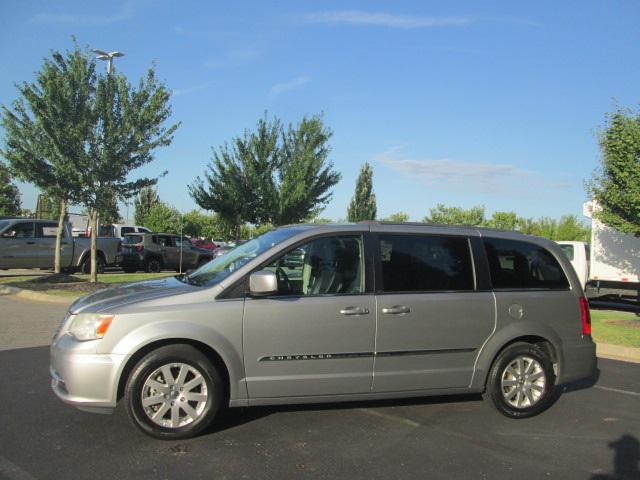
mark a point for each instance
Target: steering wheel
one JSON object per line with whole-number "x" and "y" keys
{"x": 283, "y": 280}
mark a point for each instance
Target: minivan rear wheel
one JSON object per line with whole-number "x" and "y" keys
{"x": 521, "y": 382}
{"x": 174, "y": 392}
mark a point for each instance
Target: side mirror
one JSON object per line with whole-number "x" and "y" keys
{"x": 263, "y": 283}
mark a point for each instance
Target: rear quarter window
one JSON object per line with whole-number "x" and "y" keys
{"x": 522, "y": 265}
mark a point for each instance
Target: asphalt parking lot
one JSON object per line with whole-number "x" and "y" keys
{"x": 592, "y": 432}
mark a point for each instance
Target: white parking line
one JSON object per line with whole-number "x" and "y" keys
{"x": 617, "y": 390}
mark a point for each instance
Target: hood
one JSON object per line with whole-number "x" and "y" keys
{"x": 114, "y": 297}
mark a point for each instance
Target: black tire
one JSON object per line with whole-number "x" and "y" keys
{"x": 153, "y": 265}
{"x": 528, "y": 393}
{"x": 175, "y": 357}
{"x": 85, "y": 267}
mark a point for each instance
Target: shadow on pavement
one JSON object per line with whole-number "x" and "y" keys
{"x": 234, "y": 417}
{"x": 625, "y": 459}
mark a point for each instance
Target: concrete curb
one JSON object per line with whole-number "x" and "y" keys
{"x": 618, "y": 352}
{"x": 30, "y": 295}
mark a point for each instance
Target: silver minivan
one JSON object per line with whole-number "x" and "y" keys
{"x": 326, "y": 313}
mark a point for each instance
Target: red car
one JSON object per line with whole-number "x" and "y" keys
{"x": 208, "y": 244}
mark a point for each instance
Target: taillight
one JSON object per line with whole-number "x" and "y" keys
{"x": 585, "y": 316}
{"x": 139, "y": 248}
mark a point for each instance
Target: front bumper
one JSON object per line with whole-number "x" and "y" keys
{"x": 579, "y": 362}
{"x": 82, "y": 378}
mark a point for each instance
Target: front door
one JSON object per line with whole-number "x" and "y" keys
{"x": 18, "y": 246}
{"x": 316, "y": 336}
{"x": 431, "y": 319}
{"x": 46, "y": 246}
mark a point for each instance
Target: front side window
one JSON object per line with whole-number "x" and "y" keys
{"x": 425, "y": 263}
{"x": 182, "y": 242}
{"x": 521, "y": 265}
{"x": 325, "y": 266}
{"x": 19, "y": 230}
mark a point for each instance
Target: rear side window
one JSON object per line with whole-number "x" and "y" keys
{"x": 132, "y": 239}
{"x": 421, "y": 263}
{"x": 568, "y": 251}
{"x": 522, "y": 265}
{"x": 46, "y": 230}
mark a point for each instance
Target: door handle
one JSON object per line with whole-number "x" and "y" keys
{"x": 396, "y": 309}
{"x": 354, "y": 311}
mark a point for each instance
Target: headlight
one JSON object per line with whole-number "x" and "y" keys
{"x": 90, "y": 326}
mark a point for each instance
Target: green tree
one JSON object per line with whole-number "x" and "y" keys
{"x": 397, "y": 217}
{"x": 305, "y": 174}
{"x": 269, "y": 176}
{"x": 570, "y": 228}
{"x": 503, "y": 221}
{"x": 616, "y": 186}
{"x": 363, "y": 203}
{"x": 163, "y": 218}
{"x": 9, "y": 194}
{"x": 47, "y": 208}
{"x": 109, "y": 212}
{"x": 442, "y": 214}
{"x": 143, "y": 202}
{"x": 47, "y": 127}
{"x": 128, "y": 126}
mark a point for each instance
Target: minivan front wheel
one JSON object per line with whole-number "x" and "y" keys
{"x": 521, "y": 381}
{"x": 174, "y": 392}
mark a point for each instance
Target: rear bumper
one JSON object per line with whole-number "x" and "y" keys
{"x": 133, "y": 260}
{"x": 579, "y": 362}
{"x": 82, "y": 378}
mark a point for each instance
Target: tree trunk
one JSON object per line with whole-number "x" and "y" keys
{"x": 94, "y": 233}
{"x": 57, "y": 263}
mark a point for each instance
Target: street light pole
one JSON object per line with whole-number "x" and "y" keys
{"x": 108, "y": 57}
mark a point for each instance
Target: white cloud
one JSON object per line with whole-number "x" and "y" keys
{"x": 279, "y": 88}
{"x": 359, "y": 17}
{"x": 232, "y": 58}
{"x": 126, "y": 12}
{"x": 186, "y": 91}
{"x": 446, "y": 174}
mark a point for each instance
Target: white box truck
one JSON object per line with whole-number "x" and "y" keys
{"x": 610, "y": 267}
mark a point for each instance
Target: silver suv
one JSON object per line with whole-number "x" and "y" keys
{"x": 325, "y": 313}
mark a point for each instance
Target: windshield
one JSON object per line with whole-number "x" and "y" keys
{"x": 224, "y": 265}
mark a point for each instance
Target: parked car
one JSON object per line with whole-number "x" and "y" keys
{"x": 374, "y": 310}
{"x": 29, "y": 243}
{"x": 154, "y": 252}
{"x": 120, "y": 230}
{"x": 206, "y": 244}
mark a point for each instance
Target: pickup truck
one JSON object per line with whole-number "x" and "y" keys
{"x": 29, "y": 243}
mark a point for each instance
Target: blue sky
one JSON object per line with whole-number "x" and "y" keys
{"x": 462, "y": 103}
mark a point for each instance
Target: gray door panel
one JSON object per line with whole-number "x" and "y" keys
{"x": 434, "y": 345}
{"x": 297, "y": 346}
